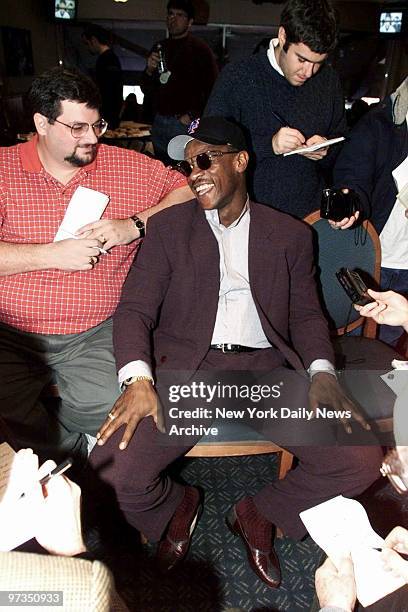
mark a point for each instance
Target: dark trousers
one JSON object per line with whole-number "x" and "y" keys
{"x": 148, "y": 497}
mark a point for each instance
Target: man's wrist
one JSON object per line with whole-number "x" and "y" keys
{"x": 330, "y": 371}
{"x": 321, "y": 365}
{"x": 139, "y": 226}
{"x": 137, "y": 379}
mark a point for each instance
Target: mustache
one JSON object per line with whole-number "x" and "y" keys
{"x": 87, "y": 146}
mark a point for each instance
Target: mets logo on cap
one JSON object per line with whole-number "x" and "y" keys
{"x": 193, "y": 126}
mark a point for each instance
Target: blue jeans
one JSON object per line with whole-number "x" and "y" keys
{"x": 395, "y": 280}
{"x": 164, "y": 128}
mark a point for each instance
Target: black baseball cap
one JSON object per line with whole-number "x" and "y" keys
{"x": 211, "y": 130}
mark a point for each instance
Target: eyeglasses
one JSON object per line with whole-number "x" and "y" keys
{"x": 393, "y": 468}
{"x": 203, "y": 161}
{"x": 80, "y": 129}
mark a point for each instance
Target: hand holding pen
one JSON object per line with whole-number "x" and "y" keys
{"x": 57, "y": 471}
{"x": 286, "y": 138}
{"x": 54, "y": 502}
{"x": 59, "y": 527}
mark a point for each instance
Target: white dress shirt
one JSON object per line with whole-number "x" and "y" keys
{"x": 237, "y": 320}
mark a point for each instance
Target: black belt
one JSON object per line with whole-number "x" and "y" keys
{"x": 232, "y": 348}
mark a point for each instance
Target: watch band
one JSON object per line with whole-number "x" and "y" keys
{"x": 133, "y": 379}
{"x": 140, "y": 226}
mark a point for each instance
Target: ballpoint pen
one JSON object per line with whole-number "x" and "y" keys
{"x": 57, "y": 471}
{"x": 401, "y": 554}
{"x": 280, "y": 119}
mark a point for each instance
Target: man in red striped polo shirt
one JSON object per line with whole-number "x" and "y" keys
{"x": 56, "y": 298}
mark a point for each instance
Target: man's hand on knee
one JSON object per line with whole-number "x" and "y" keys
{"x": 138, "y": 401}
{"x": 326, "y": 391}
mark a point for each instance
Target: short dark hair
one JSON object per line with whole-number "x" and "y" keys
{"x": 311, "y": 22}
{"x": 102, "y": 35}
{"x": 183, "y": 5}
{"x": 48, "y": 90}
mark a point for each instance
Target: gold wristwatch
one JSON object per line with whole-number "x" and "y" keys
{"x": 133, "y": 379}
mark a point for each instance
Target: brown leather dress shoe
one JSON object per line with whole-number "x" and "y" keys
{"x": 257, "y": 534}
{"x": 175, "y": 543}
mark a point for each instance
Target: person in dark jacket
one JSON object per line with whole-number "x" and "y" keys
{"x": 373, "y": 163}
{"x": 179, "y": 89}
{"x": 108, "y": 72}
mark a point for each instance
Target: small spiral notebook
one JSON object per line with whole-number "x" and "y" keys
{"x": 315, "y": 147}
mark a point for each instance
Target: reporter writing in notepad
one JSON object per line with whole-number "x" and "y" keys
{"x": 336, "y": 587}
{"x": 55, "y": 507}
{"x": 57, "y": 298}
{"x": 285, "y": 98}
{"x": 53, "y": 517}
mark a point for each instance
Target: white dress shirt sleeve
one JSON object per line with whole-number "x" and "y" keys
{"x": 321, "y": 365}
{"x": 134, "y": 368}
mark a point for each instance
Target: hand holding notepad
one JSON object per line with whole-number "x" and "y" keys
{"x": 26, "y": 511}
{"x": 341, "y": 528}
{"x": 85, "y": 206}
{"x": 315, "y": 147}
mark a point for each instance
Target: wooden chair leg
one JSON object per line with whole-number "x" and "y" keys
{"x": 285, "y": 460}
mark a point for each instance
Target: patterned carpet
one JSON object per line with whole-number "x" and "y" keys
{"x": 216, "y": 576}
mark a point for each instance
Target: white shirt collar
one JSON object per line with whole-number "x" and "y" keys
{"x": 272, "y": 57}
{"x": 212, "y": 215}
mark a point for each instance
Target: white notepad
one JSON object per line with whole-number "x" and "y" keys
{"x": 85, "y": 206}
{"x": 315, "y": 147}
{"x": 17, "y": 516}
{"x": 341, "y": 527}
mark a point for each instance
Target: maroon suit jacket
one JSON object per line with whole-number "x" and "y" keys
{"x": 172, "y": 290}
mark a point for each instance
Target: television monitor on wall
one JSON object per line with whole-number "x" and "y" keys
{"x": 391, "y": 22}
{"x": 64, "y": 10}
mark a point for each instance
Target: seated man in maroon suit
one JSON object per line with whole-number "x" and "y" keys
{"x": 223, "y": 284}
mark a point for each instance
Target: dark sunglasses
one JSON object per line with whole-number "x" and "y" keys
{"x": 203, "y": 161}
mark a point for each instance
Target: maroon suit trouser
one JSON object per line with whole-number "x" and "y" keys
{"x": 148, "y": 497}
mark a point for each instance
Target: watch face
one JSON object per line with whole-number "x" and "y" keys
{"x": 138, "y": 222}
